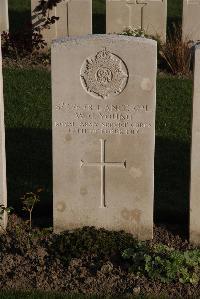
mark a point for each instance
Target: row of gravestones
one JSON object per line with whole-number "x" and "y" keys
{"x": 104, "y": 102}
{"x": 75, "y": 18}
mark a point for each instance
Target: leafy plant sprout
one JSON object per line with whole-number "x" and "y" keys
{"x": 29, "y": 201}
{"x": 135, "y": 31}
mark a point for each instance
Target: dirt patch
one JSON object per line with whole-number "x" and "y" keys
{"x": 29, "y": 261}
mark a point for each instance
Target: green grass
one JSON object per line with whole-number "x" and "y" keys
{"x": 28, "y": 134}
{"x": 174, "y": 8}
{"x": 30, "y": 96}
{"x": 19, "y": 14}
{"x": 174, "y": 100}
{"x": 172, "y": 155}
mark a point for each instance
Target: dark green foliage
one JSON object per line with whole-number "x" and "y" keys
{"x": 104, "y": 244}
{"x": 164, "y": 263}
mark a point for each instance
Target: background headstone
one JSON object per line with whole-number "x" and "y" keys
{"x": 75, "y": 18}
{"x": 150, "y": 15}
{"x": 3, "y": 187}
{"x": 191, "y": 20}
{"x": 104, "y": 99}
{"x": 195, "y": 156}
{"x": 4, "y": 23}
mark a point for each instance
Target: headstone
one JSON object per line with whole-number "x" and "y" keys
{"x": 75, "y": 19}
{"x": 149, "y": 15}
{"x": 4, "y": 23}
{"x": 195, "y": 158}
{"x": 191, "y": 20}
{"x": 104, "y": 94}
{"x": 3, "y": 188}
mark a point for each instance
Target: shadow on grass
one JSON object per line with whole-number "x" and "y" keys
{"x": 99, "y": 23}
{"x": 19, "y": 20}
{"x": 172, "y": 177}
{"x": 173, "y": 22}
{"x": 29, "y": 167}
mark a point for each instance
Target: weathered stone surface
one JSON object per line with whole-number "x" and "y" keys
{"x": 195, "y": 160}
{"x": 191, "y": 20}
{"x": 150, "y": 15}
{"x": 4, "y": 22}
{"x": 104, "y": 94}
{"x": 75, "y": 19}
{"x": 3, "y": 188}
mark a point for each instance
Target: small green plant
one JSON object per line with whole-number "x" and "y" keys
{"x": 29, "y": 201}
{"x": 136, "y": 32}
{"x": 165, "y": 264}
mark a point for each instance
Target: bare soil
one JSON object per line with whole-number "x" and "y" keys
{"x": 28, "y": 262}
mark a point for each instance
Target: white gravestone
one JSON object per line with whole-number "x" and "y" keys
{"x": 195, "y": 161}
{"x": 4, "y": 23}
{"x": 75, "y": 19}
{"x": 104, "y": 94}
{"x": 149, "y": 15}
{"x": 191, "y": 20}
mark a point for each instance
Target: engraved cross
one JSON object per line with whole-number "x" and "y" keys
{"x": 103, "y": 164}
{"x": 129, "y": 4}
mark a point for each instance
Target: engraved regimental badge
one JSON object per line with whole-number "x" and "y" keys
{"x": 104, "y": 75}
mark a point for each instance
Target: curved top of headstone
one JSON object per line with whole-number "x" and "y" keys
{"x": 97, "y": 37}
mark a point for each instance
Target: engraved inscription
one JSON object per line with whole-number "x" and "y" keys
{"x": 103, "y": 164}
{"x": 103, "y": 119}
{"x": 104, "y": 75}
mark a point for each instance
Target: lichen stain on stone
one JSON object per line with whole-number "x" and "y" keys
{"x": 68, "y": 138}
{"x": 83, "y": 191}
{"x": 60, "y": 206}
{"x": 146, "y": 84}
{"x": 131, "y": 215}
{"x": 135, "y": 172}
